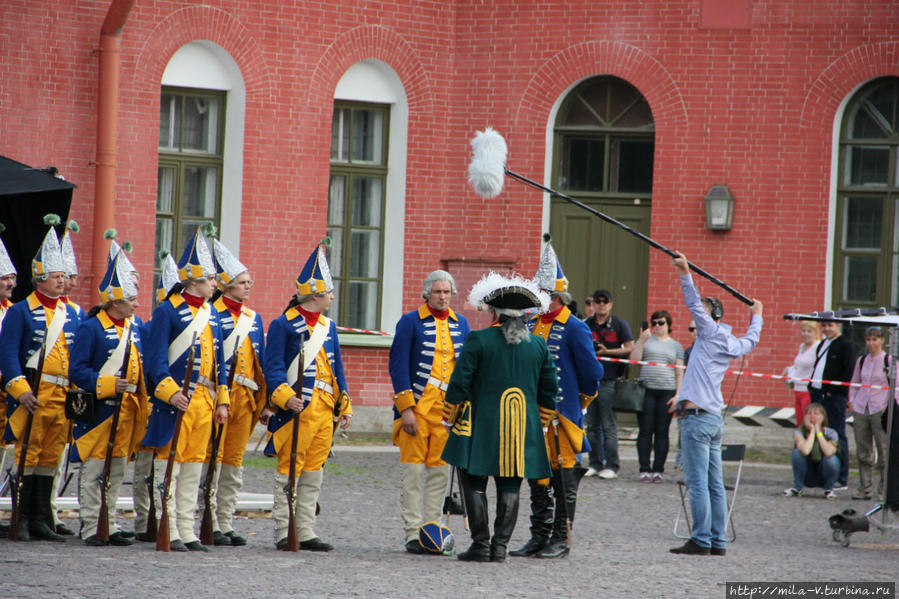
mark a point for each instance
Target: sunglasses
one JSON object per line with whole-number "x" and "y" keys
{"x": 658, "y": 323}
{"x": 588, "y": 301}
{"x": 691, "y": 329}
{"x": 602, "y": 301}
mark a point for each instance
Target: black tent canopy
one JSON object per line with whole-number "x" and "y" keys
{"x": 26, "y": 195}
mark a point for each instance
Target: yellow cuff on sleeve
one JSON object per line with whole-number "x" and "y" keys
{"x": 166, "y": 389}
{"x": 404, "y": 400}
{"x": 106, "y": 386}
{"x": 18, "y": 386}
{"x": 281, "y": 395}
{"x": 586, "y": 400}
{"x": 346, "y": 406}
{"x": 222, "y": 397}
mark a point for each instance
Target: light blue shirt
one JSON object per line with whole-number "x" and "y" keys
{"x": 712, "y": 352}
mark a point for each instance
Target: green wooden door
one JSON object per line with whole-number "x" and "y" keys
{"x": 598, "y": 255}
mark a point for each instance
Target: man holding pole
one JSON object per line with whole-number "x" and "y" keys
{"x": 422, "y": 358}
{"x": 176, "y": 322}
{"x": 699, "y": 409}
{"x": 304, "y": 334}
{"x": 41, "y": 321}
{"x": 571, "y": 345}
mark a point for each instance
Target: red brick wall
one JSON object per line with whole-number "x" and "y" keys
{"x": 753, "y": 108}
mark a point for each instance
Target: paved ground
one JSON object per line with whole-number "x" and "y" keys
{"x": 622, "y": 536}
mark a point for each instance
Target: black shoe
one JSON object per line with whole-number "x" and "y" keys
{"x": 530, "y": 548}
{"x": 178, "y": 545}
{"x": 196, "y": 546}
{"x": 95, "y": 541}
{"x": 219, "y": 539}
{"x": 40, "y": 531}
{"x": 315, "y": 544}
{"x": 24, "y": 535}
{"x": 478, "y": 552}
{"x": 62, "y": 529}
{"x": 281, "y": 545}
{"x": 690, "y": 548}
{"x": 862, "y": 496}
{"x": 144, "y": 538}
{"x": 236, "y": 539}
{"x": 128, "y": 534}
{"x": 554, "y": 550}
{"x": 719, "y": 551}
{"x": 414, "y": 547}
{"x": 120, "y": 540}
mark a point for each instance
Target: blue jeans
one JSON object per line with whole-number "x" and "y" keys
{"x": 835, "y": 406}
{"x": 809, "y": 474}
{"x": 701, "y": 447}
{"x": 602, "y": 428}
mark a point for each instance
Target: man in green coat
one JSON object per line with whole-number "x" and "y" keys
{"x": 500, "y": 397}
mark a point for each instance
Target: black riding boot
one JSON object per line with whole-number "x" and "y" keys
{"x": 26, "y": 497}
{"x": 558, "y": 544}
{"x": 476, "y": 505}
{"x": 504, "y": 524}
{"x": 541, "y": 519}
{"x": 40, "y": 524}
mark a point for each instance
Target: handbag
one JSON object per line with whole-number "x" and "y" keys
{"x": 81, "y": 405}
{"x": 628, "y": 396}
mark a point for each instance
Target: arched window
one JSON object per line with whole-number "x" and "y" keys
{"x": 866, "y": 245}
{"x": 604, "y": 143}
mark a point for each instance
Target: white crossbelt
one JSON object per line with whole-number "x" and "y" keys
{"x": 56, "y": 380}
{"x": 202, "y": 380}
{"x": 246, "y": 382}
{"x": 435, "y": 382}
{"x": 324, "y": 387}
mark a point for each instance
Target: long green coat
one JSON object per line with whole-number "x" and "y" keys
{"x": 498, "y": 431}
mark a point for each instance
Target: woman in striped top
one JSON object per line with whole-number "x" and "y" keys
{"x": 662, "y": 388}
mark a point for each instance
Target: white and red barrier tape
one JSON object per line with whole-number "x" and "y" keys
{"x": 366, "y": 331}
{"x": 760, "y": 375}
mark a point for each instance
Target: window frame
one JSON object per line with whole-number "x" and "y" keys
{"x": 180, "y": 161}
{"x": 352, "y": 171}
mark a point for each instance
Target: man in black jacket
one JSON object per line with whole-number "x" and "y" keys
{"x": 834, "y": 361}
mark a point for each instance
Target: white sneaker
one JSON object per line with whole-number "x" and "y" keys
{"x": 830, "y": 494}
{"x": 792, "y": 492}
{"x": 657, "y": 477}
{"x": 645, "y": 477}
{"x": 608, "y": 474}
{"x": 591, "y": 472}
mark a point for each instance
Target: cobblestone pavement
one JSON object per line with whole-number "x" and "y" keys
{"x": 622, "y": 536}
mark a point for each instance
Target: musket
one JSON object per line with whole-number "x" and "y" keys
{"x": 207, "y": 534}
{"x": 291, "y": 489}
{"x": 103, "y": 480}
{"x": 151, "y": 490}
{"x": 564, "y": 497}
{"x": 163, "y": 538}
{"x": 26, "y": 437}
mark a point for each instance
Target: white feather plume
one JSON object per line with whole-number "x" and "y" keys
{"x": 487, "y": 170}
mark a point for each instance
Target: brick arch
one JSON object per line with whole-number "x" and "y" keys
{"x": 202, "y": 23}
{"x": 842, "y": 76}
{"x": 355, "y": 45}
{"x": 593, "y": 58}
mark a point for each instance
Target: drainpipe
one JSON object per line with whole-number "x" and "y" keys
{"x": 107, "y": 130}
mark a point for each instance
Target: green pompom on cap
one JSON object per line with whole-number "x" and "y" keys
{"x": 547, "y": 237}
{"x": 73, "y": 226}
{"x": 2, "y": 227}
{"x": 52, "y": 219}
{"x": 208, "y": 229}
{"x": 326, "y": 241}
{"x": 110, "y": 234}
{"x": 127, "y": 246}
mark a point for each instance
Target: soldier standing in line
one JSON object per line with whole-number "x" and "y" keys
{"x": 181, "y": 318}
{"x": 40, "y": 323}
{"x": 247, "y": 393}
{"x": 304, "y": 332}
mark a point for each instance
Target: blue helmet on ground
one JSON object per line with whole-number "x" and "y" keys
{"x": 435, "y": 538}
